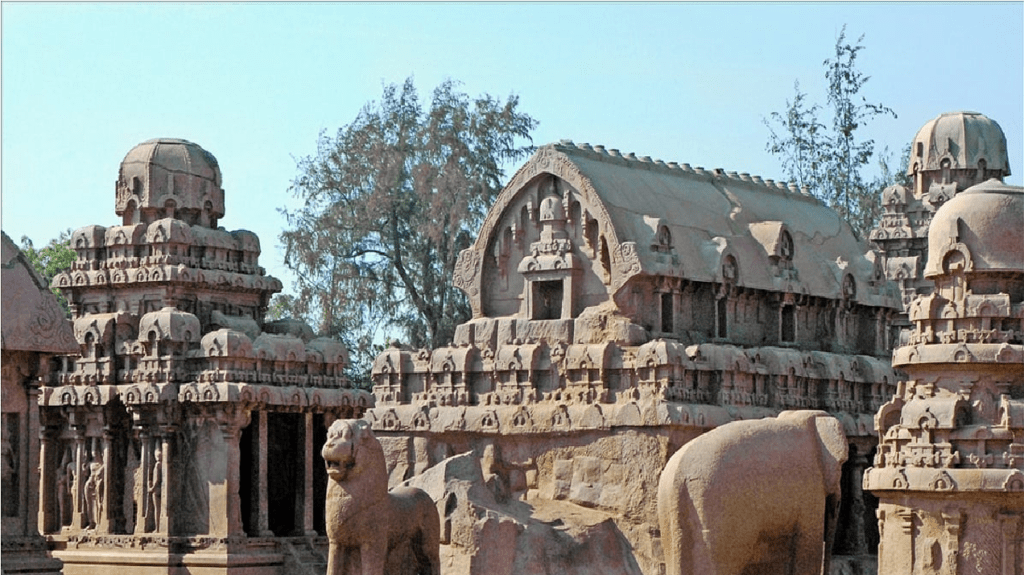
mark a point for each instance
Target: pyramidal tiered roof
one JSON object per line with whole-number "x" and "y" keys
{"x": 167, "y": 297}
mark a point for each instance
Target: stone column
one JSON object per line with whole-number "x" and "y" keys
{"x": 29, "y": 507}
{"x": 78, "y": 515}
{"x": 304, "y": 503}
{"x": 1008, "y": 525}
{"x": 307, "y": 476}
{"x": 905, "y": 517}
{"x": 226, "y": 519}
{"x": 857, "y": 542}
{"x": 259, "y": 474}
{"x": 163, "y": 520}
{"x": 107, "y": 492}
{"x": 142, "y": 516}
{"x": 48, "y": 519}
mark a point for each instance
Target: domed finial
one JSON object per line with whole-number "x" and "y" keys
{"x": 169, "y": 178}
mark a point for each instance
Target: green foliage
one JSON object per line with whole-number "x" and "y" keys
{"x": 48, "y": 261}
{"x": 830, "y": 159}
{"x": 388, "y": 204}
{"x": 282, "y": 306}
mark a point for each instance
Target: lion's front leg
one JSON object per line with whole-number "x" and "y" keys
{"x": 374, "y": 556}
{"x": 337, "y": 557}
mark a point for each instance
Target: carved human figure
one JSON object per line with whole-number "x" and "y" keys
{"x": 755, "y": 496}
{"x": 154, "y": 484}
{"x": 65, "y": 487}
{"x": 362, "y": 515}
{"x": 94, "y": 494}
{"x": 9, "y": 461}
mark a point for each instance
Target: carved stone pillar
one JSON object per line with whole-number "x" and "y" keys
{"x": 225, "y": 500}
{"x": 163, "y": 519}
{"x": 905, "y": 517}
{"x": 1009, "y": 525}
{"x": 30, "y": 505}
{"x": 304, "y": 512}
{"x": 260, "y": 511}
{"x": 144, "y": 511}
{"x": 857, "y": 543}
{"x": 49, "y": 520}
{"x": 106, "y": 494}
{"x": 78, "y": 515}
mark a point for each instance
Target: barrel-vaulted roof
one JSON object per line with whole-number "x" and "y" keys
{"x": 32, "y": 318}
{"x": 781, "y": 239}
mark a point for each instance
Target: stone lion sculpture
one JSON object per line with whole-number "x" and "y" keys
{"x": 363, "y": 516}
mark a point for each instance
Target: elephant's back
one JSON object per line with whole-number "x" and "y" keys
{"x": 745, "y": 455}
{"x": 415, "y": 510}
{"x": 766, "y": 463}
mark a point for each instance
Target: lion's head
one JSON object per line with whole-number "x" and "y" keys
{"x": 349, "y": 443}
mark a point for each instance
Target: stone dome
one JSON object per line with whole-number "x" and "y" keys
{"x": 967, "y": 139}
{"x": 169, "y": 177}
{"x": 986, "y": 221}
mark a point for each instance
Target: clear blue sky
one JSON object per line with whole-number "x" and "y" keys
{"x": 256, "y": 83}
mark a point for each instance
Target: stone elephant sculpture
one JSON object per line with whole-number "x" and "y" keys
{"x": 757, "y": 496}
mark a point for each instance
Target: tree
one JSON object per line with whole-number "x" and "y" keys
{"x": 830, "y": 160}
{"x": 56, "y": 257}
{"x": 388, "y": 204}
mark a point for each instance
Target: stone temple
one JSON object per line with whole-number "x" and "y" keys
{"x": 949, "y": 471}
{"x": 184, "y": 434}
{"x": 622, "y": 307}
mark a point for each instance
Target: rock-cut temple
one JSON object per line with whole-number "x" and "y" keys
{"x": 622, "y": 306}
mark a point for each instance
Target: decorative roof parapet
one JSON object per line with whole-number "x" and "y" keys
{"x": 167, "y": 297}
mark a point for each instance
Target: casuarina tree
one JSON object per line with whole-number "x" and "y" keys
{"x": 387, "y": 204}
{"x": 830, "y": 159}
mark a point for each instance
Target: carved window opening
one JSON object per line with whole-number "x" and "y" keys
{"x": 606, "y": 261}
{"x": 982, "y": 170}
{"x": 663, "y": 240}
{"x": 152, "y": 345}
{"x": 667, "y": 313}
{"x": 591, "y": 235}
{"x": 547, "y": 299}
{"x": 787, "y": 324}
{"x": 945, "y": 165}
{"x": 786, "y": 246}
